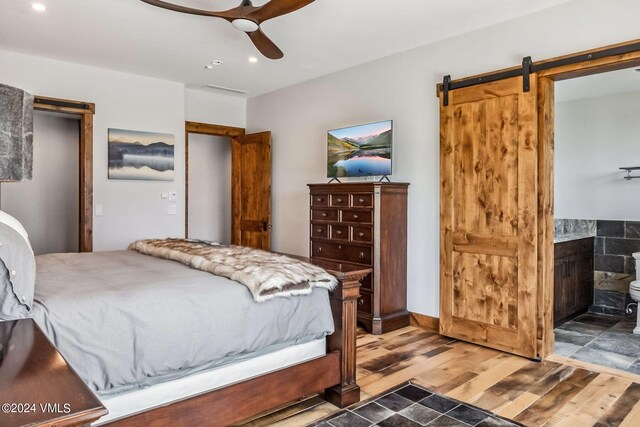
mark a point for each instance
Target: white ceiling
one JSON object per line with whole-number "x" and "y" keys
{"x": 324, "y": 37}
{"x": 604, "y": 84}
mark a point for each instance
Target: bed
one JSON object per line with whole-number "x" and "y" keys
{"x": 161, "y": 343}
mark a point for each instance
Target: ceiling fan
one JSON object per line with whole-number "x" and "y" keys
{"x": 246, "y": 18}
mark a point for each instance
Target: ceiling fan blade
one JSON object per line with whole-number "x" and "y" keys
{"x": 277, "y": 8}
{"x": 227, "y": 14}
{"x": 265, "y": 45}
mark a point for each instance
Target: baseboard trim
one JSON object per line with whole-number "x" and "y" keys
{"x": 425, "y": 322}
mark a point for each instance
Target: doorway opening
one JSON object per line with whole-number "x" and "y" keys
{"x": 56, "y": 206}
{"x": 597, "y": 218}
{"x": 249, "y": 175}
{"x": 209, "y": 188}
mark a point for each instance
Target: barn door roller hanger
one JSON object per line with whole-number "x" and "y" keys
{"x": 529, "y": 67}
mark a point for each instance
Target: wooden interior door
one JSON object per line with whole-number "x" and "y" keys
{"x": 488, "y": 223}
{"x": 251, "y": 193}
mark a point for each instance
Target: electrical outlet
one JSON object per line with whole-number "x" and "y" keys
{"x": 172, "y": 210}
{"x": 173, "y": 196}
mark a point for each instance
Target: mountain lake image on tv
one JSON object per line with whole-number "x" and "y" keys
{"x": 363, "y": 150}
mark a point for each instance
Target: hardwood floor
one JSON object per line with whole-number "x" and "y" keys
{"x": 555, "y": 392}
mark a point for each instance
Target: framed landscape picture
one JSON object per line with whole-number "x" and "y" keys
{"x": 139, "y": 155}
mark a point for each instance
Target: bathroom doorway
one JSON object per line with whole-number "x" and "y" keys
{"x": 597, "y": 218}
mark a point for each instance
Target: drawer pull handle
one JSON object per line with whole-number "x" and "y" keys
{"x": 318, "y": 230}
{"x": 340, "y": 247}
{"x": 361, "y": 301}
{"x": 319, "y": 199}
{"x": 339, "y": 200}
{"x": 360, "y": 234}
{"x": 361, "y": 255}
{"x": 324, "y": 214}
{"x": 355, "y": 216}
{"x": 338, "y": 232}
{"x": 361, "y": 200}
{"x": 320, "y": 250}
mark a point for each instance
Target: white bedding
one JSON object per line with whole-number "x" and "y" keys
{"x": 163, "y": 393}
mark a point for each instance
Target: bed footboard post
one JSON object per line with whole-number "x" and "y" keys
{"x": 344, "y": 305}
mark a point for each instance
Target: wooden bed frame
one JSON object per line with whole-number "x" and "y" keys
{"x": 334, "y": 373}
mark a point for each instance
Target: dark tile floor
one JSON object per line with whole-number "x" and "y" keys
{"x": 600, "y": 339}
{"x": 412, "y": 406}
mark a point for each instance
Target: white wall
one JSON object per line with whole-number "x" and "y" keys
{"x": 48, "y": 205}
{"x": 594, "y": 137}
{"x": 402, "y": 88}
{"x": 215, "y": 108}
{"x": 132, "y": 209}
{"x": 210, "y": 188}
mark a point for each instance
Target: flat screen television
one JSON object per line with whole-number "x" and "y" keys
{"x": 363, "y": 150}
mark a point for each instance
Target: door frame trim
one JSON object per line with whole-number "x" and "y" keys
{"x": 234, "y": 133}
{"x": 86, "y": 111}
{"x": 546, "y": 123}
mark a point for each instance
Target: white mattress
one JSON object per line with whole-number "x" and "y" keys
{"x": 164, "y": 393}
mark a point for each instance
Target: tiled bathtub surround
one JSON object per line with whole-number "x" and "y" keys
{"x": 616, "y": 241}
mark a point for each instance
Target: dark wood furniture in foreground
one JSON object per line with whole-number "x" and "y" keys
{"x": 573, "y": 279}
{"x": 37, "y": 386}
{"x": 366, "y": 223}
{"x": 334, "y": 373}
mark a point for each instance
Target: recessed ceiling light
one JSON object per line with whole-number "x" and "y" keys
{"x": 253, "y": 59}
{"x": 39, "y": 7}
{"x": 214, "y": 63}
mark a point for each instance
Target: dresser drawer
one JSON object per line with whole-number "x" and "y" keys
{"x": 320, "y": 200}
{"x": 365, "y": 217}
{"x": 365, "y": 302}
{"x": 363, "y": 234}
{"x": 340, "y": 232}
{"x": 362, "y": 200}
{"x": 340, "y": 200}
{"x": 324, "y": 215}
{"x": 320, "y": 230}
{"x": 341, "y": 252}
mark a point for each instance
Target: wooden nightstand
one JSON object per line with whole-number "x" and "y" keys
{"x": 37, "y": 386}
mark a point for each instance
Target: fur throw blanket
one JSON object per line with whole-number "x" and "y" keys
{"x": 266, "y": 274}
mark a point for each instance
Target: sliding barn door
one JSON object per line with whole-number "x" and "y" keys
{"x": 488, "y": 230}
{"x": 251, "y": 177}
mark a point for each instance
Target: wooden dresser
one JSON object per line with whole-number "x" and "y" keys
{"x": 366, "y": 223}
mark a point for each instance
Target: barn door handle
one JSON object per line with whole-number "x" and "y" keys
{"x": 266, "y": 226}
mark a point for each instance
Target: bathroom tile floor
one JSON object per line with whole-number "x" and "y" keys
{"x": 600, "y": 339}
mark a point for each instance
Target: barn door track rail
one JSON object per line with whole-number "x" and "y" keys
{"x": 528, "y": 67}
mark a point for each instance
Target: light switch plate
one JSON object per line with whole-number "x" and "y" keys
{"x": 164, "y": 195}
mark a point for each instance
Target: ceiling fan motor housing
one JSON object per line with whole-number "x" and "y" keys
{"x": 246, "y": 25}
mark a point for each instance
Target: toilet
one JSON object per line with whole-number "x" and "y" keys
{"x": 634, "y": 290}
